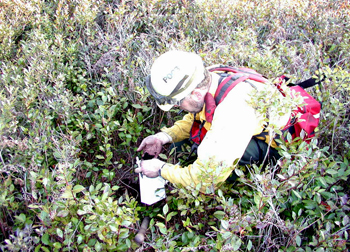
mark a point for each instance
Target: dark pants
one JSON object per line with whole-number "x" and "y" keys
{"x": 255, "y": 153}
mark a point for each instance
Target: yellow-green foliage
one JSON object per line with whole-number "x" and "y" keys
{"x": 73, "y": 109}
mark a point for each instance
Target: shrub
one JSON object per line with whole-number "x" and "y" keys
{"x": 73, "y": 108}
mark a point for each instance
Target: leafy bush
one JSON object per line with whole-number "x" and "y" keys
{"x": 73, "y": 109}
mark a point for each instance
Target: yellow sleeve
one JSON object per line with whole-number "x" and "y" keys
{"x": 181, "y": 129}
{"x": 209, "y": 174}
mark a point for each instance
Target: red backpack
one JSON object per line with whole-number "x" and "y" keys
{"x": 302, "y": 122}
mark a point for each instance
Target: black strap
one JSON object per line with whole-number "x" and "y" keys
{"x": 201, "y": 125}
{"x": 307, "y": 83}
{"x": 194, "y": 148}
{"x": 226, "y": 86}
{"x": 222, "y": 77}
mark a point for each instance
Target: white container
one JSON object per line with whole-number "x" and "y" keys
{"x": 152, "y": 189}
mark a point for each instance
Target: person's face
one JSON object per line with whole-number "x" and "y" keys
{"x": 192, "y": 105}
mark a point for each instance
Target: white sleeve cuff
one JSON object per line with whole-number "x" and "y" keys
{"x": 164, "y": 137}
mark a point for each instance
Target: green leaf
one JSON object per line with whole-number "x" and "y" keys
{"x": 78, "y": 188}
{"x": 123, "y": 233}
{"x": 128, "y": 243}
{"x": 329, "y": 180}
{"x": 33, "y": 206}
{"x": 320, "y": 250}
{"x": 250, "y": 245}
{"x": 165, "y": 209}
{"x": 323, "y": 181}
{"x": 115, "y": 188}
{"x": 45, "y": 181}
{"x": 80, "y": 239}
{"x": 59, "y": 232}
{"x": 161, "y": 227}
{"x": 237, "y": 244}
{"x": 215, "y": 228}
{"x": 170, "y": 215}
{"x": 298, "y": 240}
{"x": 257, "y": 200}
{"x": 67, "y": 194}
{"x": 239, "y": 172}
{"x": 286, "y": 155}
{"x": 297, "y": 194}
{"x": 219, "y": 214}
{"x": 220, "y": 193}
{"x": 63, "y": 213}
{"x": 98, "y": 246}
{"x": 37, "y": 248}
{"x": 289, "y": 137}
{"x": 22, "y": 218}
{"x": 45, "y": 249}
{"x": 122, "y": 247}
{"x": 137, "y": 106}
{"x": 126, "y": 223}
{"x": 57, "y": 245}
{"x": 309, "y": 204}
{"x": 224, "y": 224}
{"x": 92, "y": 242}
{"x": 45, "y": 239}
{"x": 81, "y": 212}
{"x": 113, "y": 227}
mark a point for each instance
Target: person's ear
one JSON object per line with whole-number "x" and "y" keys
{"x": 197, "y": 95}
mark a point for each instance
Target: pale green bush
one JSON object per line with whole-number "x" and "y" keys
{"x": 73, "y": 108}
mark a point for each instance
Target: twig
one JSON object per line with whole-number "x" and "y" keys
{"x": 335, "y": 123}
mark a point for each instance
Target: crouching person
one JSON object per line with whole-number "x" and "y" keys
{"x": 220, "y": 122}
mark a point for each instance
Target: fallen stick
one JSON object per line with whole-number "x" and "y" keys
{"x": 140, "y": 237}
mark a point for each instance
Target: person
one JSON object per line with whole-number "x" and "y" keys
{"x": 180, "y": 79}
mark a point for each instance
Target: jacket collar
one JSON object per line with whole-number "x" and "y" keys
{"x": 207, "y": 112}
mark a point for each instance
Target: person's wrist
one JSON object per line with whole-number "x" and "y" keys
{"x": 163, "y": 137}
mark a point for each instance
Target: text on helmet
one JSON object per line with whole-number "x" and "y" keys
{"x": 170, "y": 75}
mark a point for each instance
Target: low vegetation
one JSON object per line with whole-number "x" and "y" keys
{"x": 73, "y": 109}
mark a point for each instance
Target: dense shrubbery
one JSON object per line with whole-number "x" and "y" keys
{"x": 73, "y": 109}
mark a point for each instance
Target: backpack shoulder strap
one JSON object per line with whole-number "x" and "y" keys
{"x": 253, "y": 75}
{"x": 227, "y": 85}
{"x": 232, "y": 76}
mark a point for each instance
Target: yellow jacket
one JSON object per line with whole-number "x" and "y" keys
{"x": 226, "y": 139}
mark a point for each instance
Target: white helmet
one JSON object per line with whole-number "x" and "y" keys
{"x": 174, "y": 75}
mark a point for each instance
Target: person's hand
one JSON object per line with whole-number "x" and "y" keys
{"x": 150, "y": 168}
{"x": 153, "y": 144}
